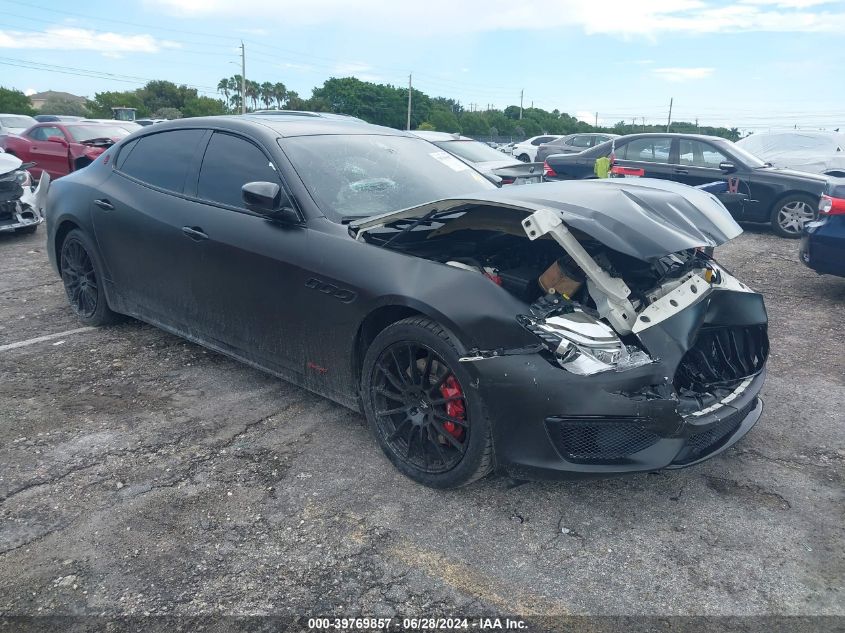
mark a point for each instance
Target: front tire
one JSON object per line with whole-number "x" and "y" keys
{"x": 419, "y": 404}
{"x": 83, "y": 280}
{"x": 790, "y": 214}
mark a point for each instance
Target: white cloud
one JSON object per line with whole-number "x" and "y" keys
{"x": 70, "y": 38}
{"x": 682, "y": 74}
{"x": 615, "y": 17}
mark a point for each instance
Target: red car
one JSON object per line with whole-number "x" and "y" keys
{"x": 61, "y": 147}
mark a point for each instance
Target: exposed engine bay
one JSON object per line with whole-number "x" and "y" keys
{"x": 590, "y": 305}
{"x": 21, "y": 204}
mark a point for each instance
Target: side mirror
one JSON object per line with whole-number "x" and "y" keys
{"x": 268, "y": 199}
{"x": 57, "y": 139}
{"x": 727, "y": 167}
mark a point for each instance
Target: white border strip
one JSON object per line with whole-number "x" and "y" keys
{"x": 41, "y": 339}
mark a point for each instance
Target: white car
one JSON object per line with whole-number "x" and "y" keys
{"x": 527, "y": 150}
{"x": 815, "y": 152}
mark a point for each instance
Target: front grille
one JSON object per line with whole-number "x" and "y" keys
{"x": 714, "y": 437}
{"x": 591, "y": 440}
{"x": 722, "y": 355}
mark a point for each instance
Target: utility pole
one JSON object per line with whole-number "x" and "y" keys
{"x": 669, "y": 122}
{"x": 410, "y": 90}
{"x": 597, "y": 120}
{"x": 243, "y": 78}
{"x": 520, "y": 103}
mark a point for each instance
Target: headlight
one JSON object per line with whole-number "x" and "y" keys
{"x": 584, "y": 345}
{"x": 23, "y": 177}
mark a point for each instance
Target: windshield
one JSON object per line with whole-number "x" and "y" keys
{"x": 361, "y": 175}
{"x": 473, "y": 151}
{"x": 745, "y": 156}
{"x": 82, "y": 133}
{"x": 17, "y": 122}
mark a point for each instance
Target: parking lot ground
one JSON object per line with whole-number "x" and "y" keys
{"x": 141, "y": 474}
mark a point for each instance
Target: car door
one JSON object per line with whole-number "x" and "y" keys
{"x": 50, "y": 156}
{"x": 698, "y": 163}
{"x": 138, "y": 215}
{"x": 243, "y": 267}
{"x": 649, "y": 155}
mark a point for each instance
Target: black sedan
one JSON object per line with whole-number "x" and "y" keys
{"x": 786, "y": 199}
{"x": 551, "y": 330}
{"x": 823, "y": 243}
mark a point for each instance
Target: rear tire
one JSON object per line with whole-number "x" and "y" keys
{"x": 789, "y": 215}
{"x": 83, "y": 280}
{"x": 421, "y": 408}
{"x": 525, "y": 158}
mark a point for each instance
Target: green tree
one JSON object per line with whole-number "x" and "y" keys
{"x": 426, "y": 126}
{"x": 444, "y": 120}
{"x": 57, "y": 105}
{"x": 15, "y": 102}
{"x": 167, "y": 113}
{"x": 203, "y": 106}
{"x": 105, "y": 101}
{"x": 266, "y": 93}
{"x": 223, "y": 87}
{"x": 253, "y": 91}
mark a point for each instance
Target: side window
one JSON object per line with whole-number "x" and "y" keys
{"x": 648, "y": 150}
{"x": 43, "y": 133}
{"x": 124, "y": 153}
{"x": 229, "y": 163}
{"x": 582, "y": 140}
{"x": 162, "y": 159}
{"x": 699, "y": 154}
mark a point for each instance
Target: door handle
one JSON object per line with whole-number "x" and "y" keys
{"x": 678, "y": 170}
{"x": 194, "y": 232}
{"x": 104, "y": 204}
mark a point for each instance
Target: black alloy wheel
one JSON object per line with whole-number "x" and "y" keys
{"x": 418, "y": 403}
{"x": 82, "y": 281}
{"x": 420, "y": 407}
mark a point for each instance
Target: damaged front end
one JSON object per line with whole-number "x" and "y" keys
{"x": 21, "y": 204}
{"x": 648, "y": 353}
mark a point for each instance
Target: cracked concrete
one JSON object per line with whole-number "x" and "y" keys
{"x": 144, "y": 475}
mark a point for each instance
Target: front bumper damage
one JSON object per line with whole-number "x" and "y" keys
{"x": 24, "y": 209}
{"x": 708, "y": 345}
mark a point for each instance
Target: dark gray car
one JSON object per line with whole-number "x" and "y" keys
{"x": 571, "y": 144}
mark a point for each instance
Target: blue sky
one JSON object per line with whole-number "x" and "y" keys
{"x": 751, "y": 63}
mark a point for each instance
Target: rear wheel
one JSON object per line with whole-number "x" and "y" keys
{"x": 790, "y": 214}
{"x": 416, "y": 400}
{"x": 82, "y": 280}
{"x": 525, "y": 158}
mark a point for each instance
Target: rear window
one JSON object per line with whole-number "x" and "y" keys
{"x": 161, "y": 160}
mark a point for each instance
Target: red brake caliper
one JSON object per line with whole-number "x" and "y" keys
{"x": 451, "y": 388}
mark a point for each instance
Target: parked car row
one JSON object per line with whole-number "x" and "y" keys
{"x": 759, "y": 192}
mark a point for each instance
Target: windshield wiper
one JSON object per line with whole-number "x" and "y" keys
{"x": 428, "y": 216}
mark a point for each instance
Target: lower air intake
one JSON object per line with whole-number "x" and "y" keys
{"x": 591, "y": 440}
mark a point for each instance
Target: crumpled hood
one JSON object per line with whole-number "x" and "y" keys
{"x": 9, "y": 163}
{"x": 645, "y": 218}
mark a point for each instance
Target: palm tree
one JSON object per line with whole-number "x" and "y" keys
{"x": 235, "y": 87}
{"x": 223, "y": 88}
{"x": 279, "y": 93}
{"x": 252, "y": 91}
{"x": 266, "y": 90}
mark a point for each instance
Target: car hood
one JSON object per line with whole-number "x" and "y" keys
{"x": 804, "y": 166}
{"x": 644, "y": 218}
{"x": 9, "y": 163}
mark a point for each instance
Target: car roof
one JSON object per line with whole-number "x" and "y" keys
{"x": 430, "y": 135}
{"x": 280, "y": 125}
{"x": 306, "y": 113}
{"x": 702, "y": 137}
